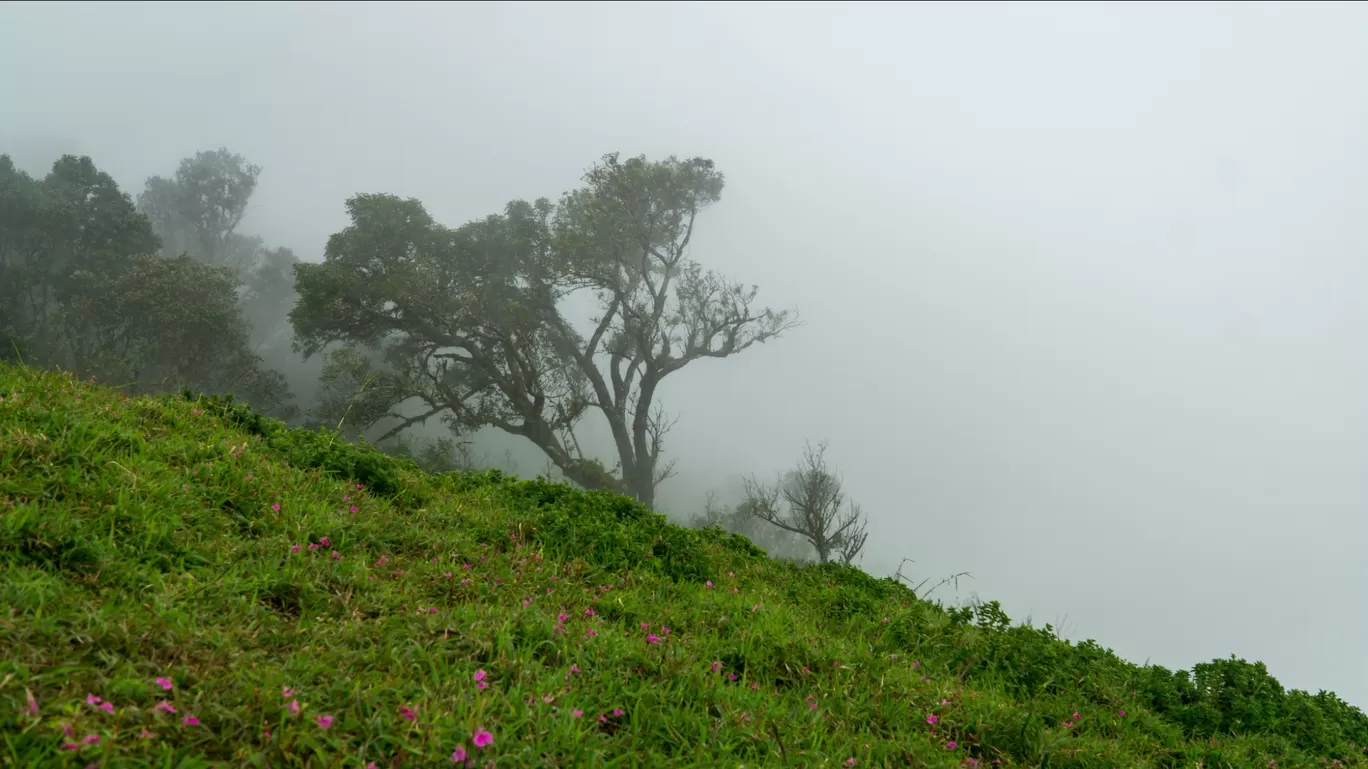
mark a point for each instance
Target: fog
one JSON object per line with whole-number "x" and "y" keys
{"x": 1082, "y": 284}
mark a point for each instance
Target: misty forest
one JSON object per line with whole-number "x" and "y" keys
{"x": 406, "y": 320}
{"x": 347, "y": 439}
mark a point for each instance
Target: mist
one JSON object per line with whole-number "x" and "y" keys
{"x": 1081, "y": 284}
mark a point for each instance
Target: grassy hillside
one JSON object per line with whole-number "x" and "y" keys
{"x": 186, "y": 584}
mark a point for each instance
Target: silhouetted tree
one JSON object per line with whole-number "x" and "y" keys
{"x": 469, "y": 320}
{"x": 197, "y": 211}
{"x": 812, "y": 502}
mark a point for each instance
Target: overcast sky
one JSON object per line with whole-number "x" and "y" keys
{"x": 1084, "y": 284}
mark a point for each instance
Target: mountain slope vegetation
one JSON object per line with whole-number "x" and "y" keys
{"x": 188, "y": 584}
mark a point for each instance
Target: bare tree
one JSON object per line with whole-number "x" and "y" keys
{"x": 813, "y": 496}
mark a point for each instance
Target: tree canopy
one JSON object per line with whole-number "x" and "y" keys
{"x": 198, "y": 210}
{"x": 470, "y": 321}
{"x": 82, "y": 288}
{"x": 61, "y": 237}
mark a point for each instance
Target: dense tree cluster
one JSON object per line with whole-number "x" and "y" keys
{"x": 408, "y": 319}
{"x": 86, "y": 286}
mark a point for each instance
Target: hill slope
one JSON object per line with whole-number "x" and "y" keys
{"x": 186, "y": 584}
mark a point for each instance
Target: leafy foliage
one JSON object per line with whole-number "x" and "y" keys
{"x": 59, "y": 237}
{"x": 198, "y": 210}
{"x": 81, "y": 289}
{"x": 169, "y": 323}
{"x": 268, "y": 293}
{"x": 469, "y": 321}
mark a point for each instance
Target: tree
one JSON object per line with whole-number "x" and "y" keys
{"x": 58, "y": 237}
{"x": 198, "y": 210}
{"x": 268, "y": 293}
{"x": 81, "y": 290}
{"x": 814, "y": 497}
{"x": 163, "y": 325}
{"x": 25, "y": 298}
{"x": 469, "y": 321}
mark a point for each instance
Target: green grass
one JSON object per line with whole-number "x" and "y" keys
{"x": 277, "y": 577}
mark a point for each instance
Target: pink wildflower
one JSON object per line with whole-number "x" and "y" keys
{"x": 482, "y": 738}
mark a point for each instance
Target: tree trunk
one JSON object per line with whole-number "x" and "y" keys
{"x": 642, "y": 485}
